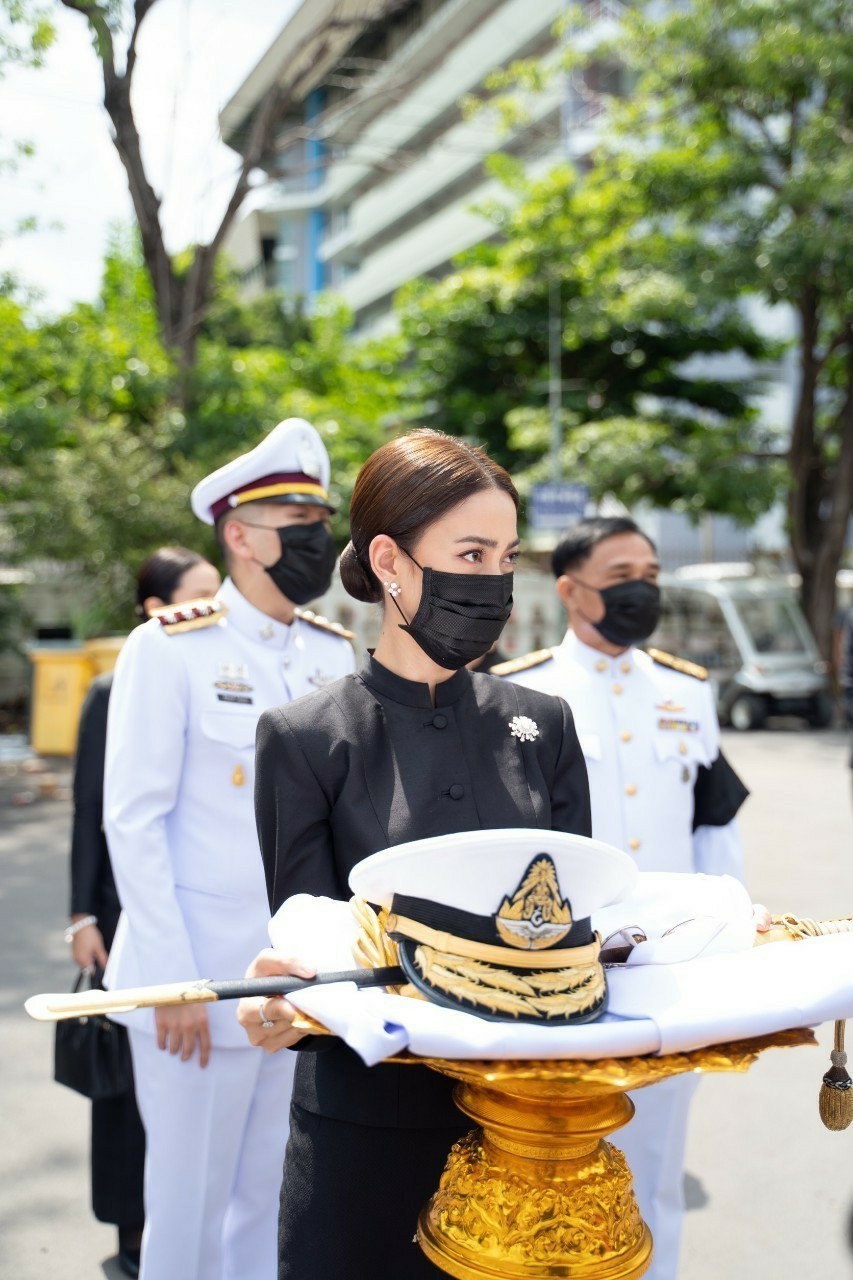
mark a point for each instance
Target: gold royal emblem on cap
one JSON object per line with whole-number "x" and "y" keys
{"x": 536, "y": 916}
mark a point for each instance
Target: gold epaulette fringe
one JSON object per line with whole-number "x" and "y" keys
{"x": 317, "y": 620}
{"x": 191, "y": 615}
{"x": 678, "y": 664}
{"x": 529, "y": 660}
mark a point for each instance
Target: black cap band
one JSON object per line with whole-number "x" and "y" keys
{"x": 465, "y": 924}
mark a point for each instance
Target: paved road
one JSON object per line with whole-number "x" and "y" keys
{"x": 771, "y": 1189}
{"x": 775, "y": 1187}
{"x": 46, "y": 1227}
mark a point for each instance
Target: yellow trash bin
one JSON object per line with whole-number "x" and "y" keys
{"x": 102, "y": 652}
{"x": 60, "y": 679}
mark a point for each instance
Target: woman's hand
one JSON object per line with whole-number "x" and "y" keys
{"x": 87, "y": 948}
{"x": 179, "y": 1029}
{"x": 255, "y": 1016}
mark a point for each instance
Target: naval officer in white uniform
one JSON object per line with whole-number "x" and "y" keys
{"x": 659, "y": 787}
{"x": 189, "y": 688}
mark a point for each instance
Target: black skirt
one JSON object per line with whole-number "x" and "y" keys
{"x": 351, "y": 1196}
{"x": 118, "y": 1160}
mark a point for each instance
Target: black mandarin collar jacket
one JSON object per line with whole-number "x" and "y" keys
{"x": 369, "y": 762}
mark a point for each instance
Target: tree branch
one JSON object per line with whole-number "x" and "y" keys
{"x": 182, "y": 303}
{"x": 140, "y": 9}
{"x": 96, "y": 16}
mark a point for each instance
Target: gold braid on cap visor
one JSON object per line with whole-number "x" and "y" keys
{"x": 506, "y": 957}
{"x": 564, "y": 993}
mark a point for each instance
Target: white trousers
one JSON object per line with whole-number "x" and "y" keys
{"x": 653, "y": 1144}
{"x": 215, "y": 1141}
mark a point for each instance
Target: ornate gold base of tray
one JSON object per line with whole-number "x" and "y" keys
{"x": 536, "y": 1191}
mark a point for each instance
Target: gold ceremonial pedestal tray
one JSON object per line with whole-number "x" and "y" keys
{"x": 536, "y": 1190}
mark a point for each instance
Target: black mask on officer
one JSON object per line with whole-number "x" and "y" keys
{"x": 631, "y": 611}
{"x": 304, "y": 569}
{"x": 460, "y": 615}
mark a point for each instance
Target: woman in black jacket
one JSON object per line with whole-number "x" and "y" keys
{"x": 169, "y": 576}
{"x": 412, "y": 745}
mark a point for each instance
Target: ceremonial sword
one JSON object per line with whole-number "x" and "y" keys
{"x": 53, "y": 1007}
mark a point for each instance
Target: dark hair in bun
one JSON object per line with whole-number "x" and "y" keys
{"x": 161, "y": 573}
{"x": 358, "y": 580}
{"x": 403, "y": 488}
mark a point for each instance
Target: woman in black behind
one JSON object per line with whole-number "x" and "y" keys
{"x": 169, "y": 576}
{"x": 412, "y": 745}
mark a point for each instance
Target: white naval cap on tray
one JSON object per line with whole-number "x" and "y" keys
{"x": 475, "y": 870}
{"x": 718, "y": 988}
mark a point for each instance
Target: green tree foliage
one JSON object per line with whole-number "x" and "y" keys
{"x": 26, "y": 34}
{"x": 762, "y": 95}
{"x": 98, "y": 456}
{"x": 734, "y": 147}
{"x": 642, "y": 416}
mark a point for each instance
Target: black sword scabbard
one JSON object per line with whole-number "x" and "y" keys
{"x": 237, "y": 989}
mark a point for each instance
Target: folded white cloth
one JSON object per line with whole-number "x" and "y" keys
{"x": 378, "y": 1025}
{"x": 681, "y": 916}
{"x": 320, "y": 931}
{"x": 697, "y": 981}
{"x": 747, "y": 993}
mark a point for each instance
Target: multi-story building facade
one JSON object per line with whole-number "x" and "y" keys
{"x": 377, "y": 171}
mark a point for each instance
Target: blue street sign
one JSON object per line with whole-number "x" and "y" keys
{"x": 555, "y": 505}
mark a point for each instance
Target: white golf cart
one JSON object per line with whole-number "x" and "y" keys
{"x": 750, "y": 632}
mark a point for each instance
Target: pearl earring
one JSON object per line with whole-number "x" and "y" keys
{"x": 394, "y": 589}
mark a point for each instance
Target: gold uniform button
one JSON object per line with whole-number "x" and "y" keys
{"x": 625, "y": 735}
{"x": 601, "y": 665}
{"x": 625, "y": 668}
{"x": 617, "y": 688}
{"x": 630, "y": 790}
{"x": 238, "y": 777}
{"x": 633, "y": 845}
{"x": 682, "y": 747}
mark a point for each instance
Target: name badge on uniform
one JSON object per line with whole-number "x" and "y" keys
{"x": 232, "y": 679}
{"x": 678, "y": 726}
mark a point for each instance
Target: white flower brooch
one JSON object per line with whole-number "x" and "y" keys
{"x": 523, "y": 728}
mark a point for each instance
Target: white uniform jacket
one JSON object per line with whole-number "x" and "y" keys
{"x": 650, "y": 736}
{"x": 178, "y": 796}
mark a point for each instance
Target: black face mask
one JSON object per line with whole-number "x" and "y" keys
{"x": 460, "y": 615}
{"x": 631, "y": 611}
{"x": 308, "y": 556}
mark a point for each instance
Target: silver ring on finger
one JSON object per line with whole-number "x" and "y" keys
{"x": 266, "y": 1023}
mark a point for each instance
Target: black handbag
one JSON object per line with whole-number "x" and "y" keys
{"x": 91, "y": 1054}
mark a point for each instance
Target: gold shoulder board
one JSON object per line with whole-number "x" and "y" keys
{"x": 678, "y": 664}
{"x": 317, "y": 620}
{"x": 191, "y": 615}
{"x": 529, "y": 660}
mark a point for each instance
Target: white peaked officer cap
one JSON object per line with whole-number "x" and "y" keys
{"x": 289, "y": 465}
{"x": 498, "y": 922}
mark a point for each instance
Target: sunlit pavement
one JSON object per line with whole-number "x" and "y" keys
{"x": 773, "y": 1189}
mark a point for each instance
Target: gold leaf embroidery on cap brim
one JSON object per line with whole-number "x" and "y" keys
{"x": 572, "y": 991}
{"x": 373, "y": 949}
